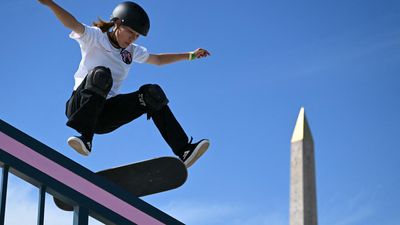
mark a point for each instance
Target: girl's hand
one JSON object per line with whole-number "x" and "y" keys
{"x": 198, "y": 53}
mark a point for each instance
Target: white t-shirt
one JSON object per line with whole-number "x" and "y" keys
{"x": 97, "y": 50}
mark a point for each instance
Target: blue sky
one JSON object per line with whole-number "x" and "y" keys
{"x": 338, "y": 59}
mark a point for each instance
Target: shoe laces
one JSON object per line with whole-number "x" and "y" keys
{"x": 89, "y": 144}
{"x": 191, "y": 140}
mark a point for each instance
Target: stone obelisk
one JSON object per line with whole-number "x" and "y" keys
{"x": 303, "y": 200}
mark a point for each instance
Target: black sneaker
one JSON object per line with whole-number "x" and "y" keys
{"x": 194, "y": 151}
{"x": 80, "y": 144}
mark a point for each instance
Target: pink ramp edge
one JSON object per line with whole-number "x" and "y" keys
{"x": 74, "y": 181}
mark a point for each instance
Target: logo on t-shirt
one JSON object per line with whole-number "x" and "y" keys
{"x": 126, "y": 56}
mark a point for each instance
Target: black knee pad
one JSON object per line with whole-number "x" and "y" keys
{"x": 153, "y": 97}
{"x": 99, "y": 81}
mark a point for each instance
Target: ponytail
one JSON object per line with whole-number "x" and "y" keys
{"x": 103, "y": 25}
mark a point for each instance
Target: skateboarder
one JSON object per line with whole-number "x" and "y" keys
{"x": 108, "y": 52}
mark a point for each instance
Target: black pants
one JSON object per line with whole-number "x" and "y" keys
{"x": 89, "y": 113}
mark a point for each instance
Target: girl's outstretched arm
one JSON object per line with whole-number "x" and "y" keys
{"x": 167, "y": 58}
{"x": 65, "y": 17}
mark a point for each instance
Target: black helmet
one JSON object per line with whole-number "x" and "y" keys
{"x": 133, "y": 16}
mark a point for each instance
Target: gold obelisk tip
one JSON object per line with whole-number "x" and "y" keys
{"x": 299, "y": 129}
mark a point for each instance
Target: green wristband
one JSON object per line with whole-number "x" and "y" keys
{"x": 192, "y": 55}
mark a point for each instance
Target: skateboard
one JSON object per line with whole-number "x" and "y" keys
{"x": 143, "y": 178}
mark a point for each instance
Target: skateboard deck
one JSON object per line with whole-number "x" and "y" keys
{"x": 143, "y": 178}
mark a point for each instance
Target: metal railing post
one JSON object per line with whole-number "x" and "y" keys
{"x": 81, "y": 216}
{"x": 3, "y": 198}
{"x": 42, "y": 198}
